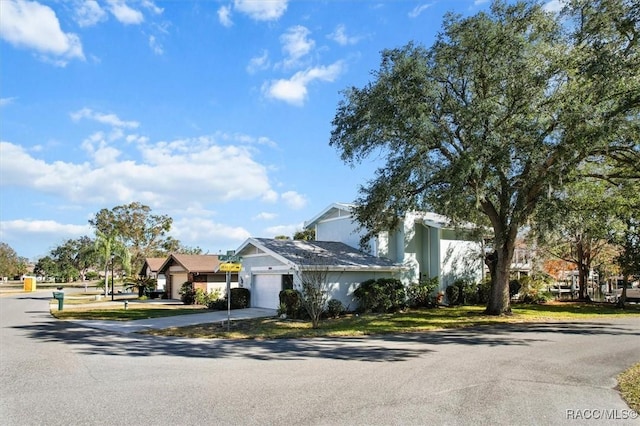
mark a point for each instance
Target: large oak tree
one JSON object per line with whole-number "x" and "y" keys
{"x": 494, "y": 117}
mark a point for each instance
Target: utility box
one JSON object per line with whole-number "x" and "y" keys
{"x": 29, "y": 283}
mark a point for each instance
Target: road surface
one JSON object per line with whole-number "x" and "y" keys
{"x": 61, "y": 373}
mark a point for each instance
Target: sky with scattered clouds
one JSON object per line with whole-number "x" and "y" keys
{"x": 216, "y": 113}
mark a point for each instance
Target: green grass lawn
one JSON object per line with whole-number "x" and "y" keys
{"x": 629, "y": 384}
{"x": 404, "y": 322}
{"x": 121, "y": 314}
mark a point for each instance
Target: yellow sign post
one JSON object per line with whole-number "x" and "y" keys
{"x": 230, "y": 267}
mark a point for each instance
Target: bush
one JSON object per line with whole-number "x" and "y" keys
{"x": 217, "y": 304}
{"x": 380, "y": 296}
{"x": 484, "y": 290}
{"x": 187, "y": 293}
{"x": 453, "y": 295}
{"x": 422, "y": 294}
{"x": 335, "y": 308}
{"x": 470, "y": 294}
{"x": 292, "y": 300}
{"x": 514, "y": 288}
{"x": 533, "y": 290}
{"x": 240, "y": 298}
{"x": 205, "y": 299}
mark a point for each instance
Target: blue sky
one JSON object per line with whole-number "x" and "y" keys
{"x": 216, "y": 113}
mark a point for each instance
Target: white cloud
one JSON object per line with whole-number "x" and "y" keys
{"x": 262, "y": 10}
{"x": 152, "y": 7}
{"x": 224, "y": 16}
{"x": 177, "y": 172}
{"x": 339, "y": 35}
{"x": 287, "y": 230}
{"x": 32, "y": 25}
{"x": 479, "y": 2}
{"x": 88, "y": 13}
{"x": 296, "y": 45}
{"x": 156, "y": 47}
{"x": 265, "y": 216}
{"x": 110, "y": 119}
{"x": 294, "y": 200}
{"x": 125, "y": 14}
{"x": 416, "y": 11}
{"x": 192, "y": 230}
{"x": 258, "y": 63}
{"x": 43, "y": 226}
{"x": 554, "y": 6}
{"x": 294, "y": 90}
{"x": 6, "y": 101}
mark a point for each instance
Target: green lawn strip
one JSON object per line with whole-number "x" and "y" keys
{"x": 122, "y": 314}
{"x": 405, "y": 322}
{"x": 629, "y": 384}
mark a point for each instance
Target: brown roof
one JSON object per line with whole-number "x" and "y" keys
{"x": 155, "y": 263}
{"x": 193, "y": 262}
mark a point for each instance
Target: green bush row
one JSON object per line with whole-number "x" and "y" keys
{"x": 240, "y": 297}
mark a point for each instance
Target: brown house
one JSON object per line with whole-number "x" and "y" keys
{"x": 151, "y": 266}
{"x": 201, "y": 270}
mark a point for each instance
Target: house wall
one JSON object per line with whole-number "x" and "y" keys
{"x": 460, "y": 260}
{"x": 339, "y": 228}
{"x": 215, "y": 282}
{"x": 342, "y": 284}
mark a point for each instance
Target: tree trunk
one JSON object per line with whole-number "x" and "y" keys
{"x": 499, "y": 263}
{"x": 106, "y": 279}
{"x": 583, "y": 275}
{"x": 623, "y": 296}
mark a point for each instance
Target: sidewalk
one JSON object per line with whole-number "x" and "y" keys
{"x": 176, "y": 321}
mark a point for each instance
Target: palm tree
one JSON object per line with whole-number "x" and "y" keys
{"x": 108, "y": 246}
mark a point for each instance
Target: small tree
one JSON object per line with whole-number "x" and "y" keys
{"x": 312, "y": 277}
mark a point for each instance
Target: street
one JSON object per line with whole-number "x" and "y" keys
{"x": 60, "y": 373}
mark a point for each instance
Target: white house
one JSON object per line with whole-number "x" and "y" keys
{"x": 425, "y": 244}
{"x": 270, "y": 266}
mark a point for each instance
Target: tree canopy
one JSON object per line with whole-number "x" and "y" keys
{"x": 137, "y": 228}
{"x": 495, "y": 116}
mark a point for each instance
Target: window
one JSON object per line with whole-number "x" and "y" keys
{"x": 287, "y": 282}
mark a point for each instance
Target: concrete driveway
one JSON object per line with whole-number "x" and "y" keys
{"x": 61, "y": 373}
{"x": 177, "y": 321}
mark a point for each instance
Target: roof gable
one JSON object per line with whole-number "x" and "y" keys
{"x": 332, "y": 211}
{"x": 193, "y": 262}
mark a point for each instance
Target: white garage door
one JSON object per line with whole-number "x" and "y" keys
{"x": 265, "y": 291}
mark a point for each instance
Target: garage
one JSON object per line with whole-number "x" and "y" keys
{"x": 265, "y": 291}
{"x": 176, "y": 283}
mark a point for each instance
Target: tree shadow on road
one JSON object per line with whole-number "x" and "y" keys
{"x": 382, "y": 348}
{"x": 99, "y": 342}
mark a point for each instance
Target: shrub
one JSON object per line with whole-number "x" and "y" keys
{"x": 453, "y": 295}
{"x": 187, "y": 294}
{"x": 240, "y": 298}
{"x": 422, "y": 294}
{"x": 203, "y": 298}
{"x": 293, "y": 303}
{"x": 282, "y": 309}
{"x": 533, "y": 290}
{"x": 514, "y": 288}
{"x": 470, "y": 293}
{"x": 217, "y": 304}
{"x": 484, "y": 290}
{"x": 382, "y": 295}
{"x": 335, "y": 308}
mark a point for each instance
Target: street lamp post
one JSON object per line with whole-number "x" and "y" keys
{"x": 112, "y": 273}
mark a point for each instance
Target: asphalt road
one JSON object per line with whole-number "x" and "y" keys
{"x": 61, "y": 373}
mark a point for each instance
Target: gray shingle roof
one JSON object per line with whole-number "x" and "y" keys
{"x": 325, "y": 253}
